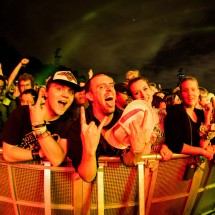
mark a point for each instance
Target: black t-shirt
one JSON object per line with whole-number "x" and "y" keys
{"x": 180, "y": 129}
{"x": 18, "y": 129}
{"x": 74, "y": 138}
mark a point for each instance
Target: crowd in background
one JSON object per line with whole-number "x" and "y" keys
{"x": 17, "y": 90}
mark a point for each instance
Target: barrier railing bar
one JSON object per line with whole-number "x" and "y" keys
{"x": 117, "y": 205}
{"x": 141, "y": 188}
{"x": 197, "y": 178}
{"x": 47, "y": 188}
{"x": 150, "y": 167}
{"x": 142, "y": 166}
{"x": 100, "y": 184}
{"x": 116, "y": 159}
{"x": 207, "y": 187}
{"x": 144, "y": 157}
{"x": 12, "y": 188}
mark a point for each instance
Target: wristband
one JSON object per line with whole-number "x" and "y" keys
{"x": 35, "y": 155}
{"x": 38, "y": 126}
{"x": 45, "y": 134}
{"x": 40, "y": 130}
{"x": 38, "y": 123}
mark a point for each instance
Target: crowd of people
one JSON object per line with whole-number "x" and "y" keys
{"x": 82, "y": 121}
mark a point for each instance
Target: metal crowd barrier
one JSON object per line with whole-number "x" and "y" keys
{"x": 152, "y": 187}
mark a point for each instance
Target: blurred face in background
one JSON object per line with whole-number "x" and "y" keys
{"x": 122, "y": 100}
{"x": 80, "y": 98}
{"x": 24, "y": 85}
{"x": 162, "y": 108}
{"x": 203, "y": 98}
{"x": 27, "y": 99}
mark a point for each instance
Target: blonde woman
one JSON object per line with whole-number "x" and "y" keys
{"x": 183, "y": 121}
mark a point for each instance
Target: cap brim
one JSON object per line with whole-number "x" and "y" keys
{"x": 75, "y": 87}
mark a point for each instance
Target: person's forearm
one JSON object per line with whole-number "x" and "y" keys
{"x": 204, "y": 143}
{"x": 187, "y": 149}
{"x": 193, "y": 150}
{"x": 14, "y": 73}
{"x": 88, "y": 167}
{"x": 53, "y": 151}
{"x": 128, "y": 159}
{"x": 131, "y": 159}
{"x": 15, "y": 154}
{"x": 207, "y": 119}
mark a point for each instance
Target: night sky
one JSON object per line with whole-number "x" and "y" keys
{"x": 157, "y": 37}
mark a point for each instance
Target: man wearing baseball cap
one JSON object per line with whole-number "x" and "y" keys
{"x": 39, "y": 131}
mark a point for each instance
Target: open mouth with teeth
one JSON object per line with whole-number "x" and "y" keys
{"x": 110, "y": 101}
{"x": 109, "y": 98}
{"x": 62, "y": 103}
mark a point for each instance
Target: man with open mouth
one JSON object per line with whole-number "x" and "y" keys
{"x": 85, "y": 142}
{"x": 39, "y": 131}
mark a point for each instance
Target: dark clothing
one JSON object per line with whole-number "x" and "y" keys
{"x": 74, "y": 138}
{"x": 180, "y": 129}
{"x": 18, "y": 129}
{"x": 3, "y": 115}
{"x": 11, "y": 103}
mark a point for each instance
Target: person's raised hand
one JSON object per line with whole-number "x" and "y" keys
{"x": 90, "y": 73}
{"x": 139, "y": 135}
{"x": 24, "y": 61}
{"x": 90, "y": 133}
{"x": 37, "y": 111}
{"x": 208, "y": 113}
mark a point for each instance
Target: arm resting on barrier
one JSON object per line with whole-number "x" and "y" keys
{"x": 192, "y": 150}
{"x": 13, "y": 153}
{"x": 55, "y": 152}
{"x": 165, "y": 152}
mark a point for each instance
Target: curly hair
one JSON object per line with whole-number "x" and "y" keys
{"x": 25, "y": 77}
